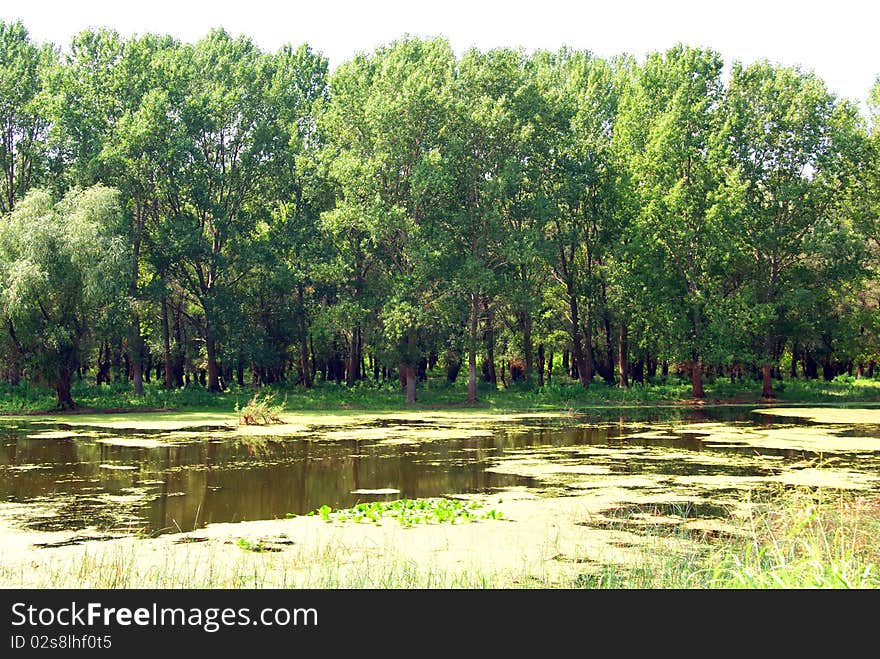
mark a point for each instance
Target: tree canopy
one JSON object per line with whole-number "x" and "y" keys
{"x": 212, "y": 213}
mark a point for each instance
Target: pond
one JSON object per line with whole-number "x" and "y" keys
{"x": 156, "y": 474}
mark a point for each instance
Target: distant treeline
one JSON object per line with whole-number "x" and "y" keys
{"x": 211, "y": 212}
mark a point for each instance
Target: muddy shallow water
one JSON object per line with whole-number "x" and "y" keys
{"x": 103, "y": 478}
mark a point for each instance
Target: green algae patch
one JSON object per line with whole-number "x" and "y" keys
{"x": 60, "y": 434}
{"x": 828, "y": 478}
{"x": 142, "y": 421}
{"x": 816, "y": 438}
{"x": 834, "y": 415}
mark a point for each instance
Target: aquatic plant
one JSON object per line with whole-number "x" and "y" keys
{"x": 409, "y": 512}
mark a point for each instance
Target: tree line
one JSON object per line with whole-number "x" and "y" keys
{"x": 209, "y": 213}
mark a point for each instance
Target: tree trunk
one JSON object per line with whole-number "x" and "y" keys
{"x": 622, "y": 357}
{"x": 213, "y": 367}
{"x": 638, "y": 371}
{"x": 490, "y": 345}
{"x": 472, "y": 349}
{"x": 409, "y": 374}
{"x": 352, "y": 365}
{"x": 697, "y": 378}
{"x": 526, "y": 324}
{"x": 540, "y": 364}
{"x": 178, "y": 361}
{"x": 304, "y": 368}
{"x": 584, "y": 373}
{"x": 136, "y": 355}
{"x": 62, "y": 388}
{"x": 136, "y": 346}
{"x": 767, "y": 382}
{"x": 609, "y": 348}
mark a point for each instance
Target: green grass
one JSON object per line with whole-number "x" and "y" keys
{"x": 436, "y": 392}
{"x": 804, "y": 540}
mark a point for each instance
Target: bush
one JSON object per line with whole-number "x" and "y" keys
{"x": 261, "y": 410}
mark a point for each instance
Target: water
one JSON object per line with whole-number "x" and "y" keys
{"x": 81, "y": 483}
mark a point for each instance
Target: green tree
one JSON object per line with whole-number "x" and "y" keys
{"x": 577, "y": 179}
{"x": 62, "y": 266}
{"x": 793, "y": 148}
{"x": 220, "y": 127}
{"x": 669, "y": 120}
{"x": 24, "y": 121}
{"x": 385, "y": 119}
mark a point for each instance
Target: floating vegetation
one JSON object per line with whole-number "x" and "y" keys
{"x": 410, "y": 512}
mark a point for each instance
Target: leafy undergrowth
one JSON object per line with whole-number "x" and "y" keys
{"x": 409, "y": 512}
{"x": 436, "y": 392}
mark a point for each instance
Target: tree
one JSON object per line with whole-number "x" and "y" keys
{"x": 792, "y": 149}
{"x": 487, "y": 155}
{"x": 385, "y": 118}
{"x": 667, "y": 126}
{"x": 578, "y": 176}
{"x": 24, "y": 123}
{"x": 62, "y": 266}
{"x": 220, "y": 126}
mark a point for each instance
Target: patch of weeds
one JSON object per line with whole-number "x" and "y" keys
{"x": 261, "y": 410}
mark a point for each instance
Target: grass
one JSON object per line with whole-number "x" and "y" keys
{"x": 796, "y": 539}
{"x": 434, "y": 393}
{"x": 814, "y": 540}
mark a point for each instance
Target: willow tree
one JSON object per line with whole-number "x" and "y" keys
{"x": 62, "y": 267}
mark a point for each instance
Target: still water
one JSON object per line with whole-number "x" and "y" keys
{"x": 112, "y": 481}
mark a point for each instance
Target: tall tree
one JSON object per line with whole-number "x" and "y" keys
{"x": 793, "y": 148}
{"x": 386, "y": 114}
{"x": 24, "y": 120}
{"x": 62, "y": 266}
{"x": 222, "y": 120}
{"x": 668, "y": 123}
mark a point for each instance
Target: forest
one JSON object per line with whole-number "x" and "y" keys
{"x": 212, "y": 214}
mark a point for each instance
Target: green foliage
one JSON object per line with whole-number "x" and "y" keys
{"x": 410, "y": 512}
{"x": 276, "y": 223}
{"x": 62, "y": 273}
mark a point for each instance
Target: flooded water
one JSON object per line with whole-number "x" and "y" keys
{"x": 112, "y": 481}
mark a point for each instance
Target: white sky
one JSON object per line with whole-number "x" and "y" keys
{"x": 839, "y": 40}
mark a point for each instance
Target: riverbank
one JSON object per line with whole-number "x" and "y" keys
{"x": 437, "y": 393}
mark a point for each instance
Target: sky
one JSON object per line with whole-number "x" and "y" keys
{"x": 838, "y": 40}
